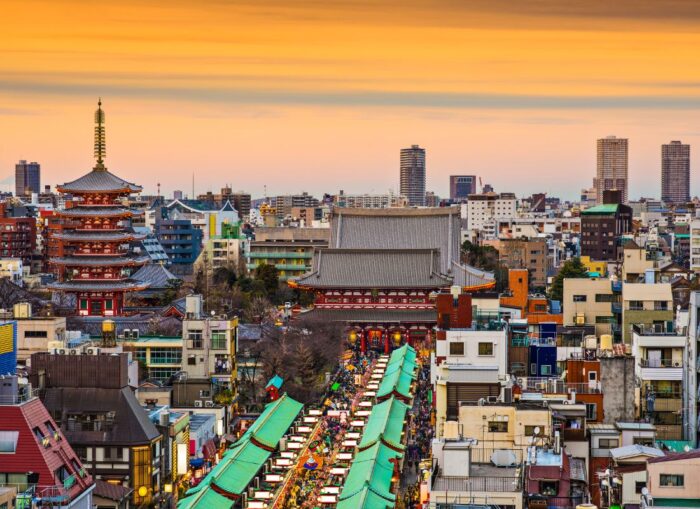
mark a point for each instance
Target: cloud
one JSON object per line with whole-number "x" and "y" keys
{"x": 352, "y": 98}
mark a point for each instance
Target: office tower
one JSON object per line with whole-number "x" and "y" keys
{"x": 675, "y": 172}
{"x": 413, "y": 175}
{"x": 612, "y": 166}
{"x": 461, "y": 186}
{"x": 27, "y": 178}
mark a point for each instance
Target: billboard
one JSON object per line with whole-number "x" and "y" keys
{"x": 8, "y": 348}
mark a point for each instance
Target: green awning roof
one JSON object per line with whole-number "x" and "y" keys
{"x": 244, "y": 459}
{"x": 371, "y": 471}
{"x": 676, "y": 502}
{"x": 385, "y": 424}
{"x": 399, "y": 374}
{"x": 207, "y": 498}
{"x": 608, "y": 208}
{"x": 274, "y": 421}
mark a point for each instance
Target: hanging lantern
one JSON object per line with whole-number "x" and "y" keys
{"x": 352, "y": 337}
{"x": 397, "y": 338}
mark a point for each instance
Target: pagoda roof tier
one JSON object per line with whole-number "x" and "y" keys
{"x": 100, "y": 261}
{"x": 106, "y": 236}
{"x": 125, "y": 285}
{"x": 99, "y": 180}
{"x": 98, "y": 212}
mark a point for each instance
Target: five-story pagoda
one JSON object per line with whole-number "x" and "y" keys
{"x": 95, "y": 262}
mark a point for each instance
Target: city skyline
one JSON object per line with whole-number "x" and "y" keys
{"x": 188, "y": 94}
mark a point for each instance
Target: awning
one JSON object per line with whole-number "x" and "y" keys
{"x": 196, "y": 462}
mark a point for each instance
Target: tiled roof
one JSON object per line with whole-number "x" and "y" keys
{"x": 399, "y": 229}
{"x": 99, "y": 180}
{"x": 676, "y": 456}
{"x": 371, "y": 315}
{"x": 98, "y": 236}
{"x": 100, "y": 261}
{"x": 376, "y": 268}
{"x": 97, "y": 212}
{"x": 110, "y": 491}
{"x": 126, "y": 285}
{"x": 635, "y": 450}
{"x": 155, "y": 274}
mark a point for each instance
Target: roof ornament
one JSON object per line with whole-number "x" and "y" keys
{"x": 100, "y": 141}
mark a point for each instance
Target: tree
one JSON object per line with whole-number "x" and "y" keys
{"x": 482, "y": 257}
{"x": 269, "y": 275}
{"x": 224, "y": 276}
{"x": 572, "y": 269}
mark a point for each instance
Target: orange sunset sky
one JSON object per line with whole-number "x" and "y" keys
{"x": 321, "y": 95}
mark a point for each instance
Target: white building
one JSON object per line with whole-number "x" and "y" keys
{"x": 483, "y": 210}
{"x": 695, "y": 245}
{"x": 370, "y": 201}
{"x": 12, "y": 269}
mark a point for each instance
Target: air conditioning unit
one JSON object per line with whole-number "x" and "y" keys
{"x": 92, "y": 351}
{"x": 74, "y": 351}
{"x": 135, "y": 333}
{"x": 198, "y": 403}
{"x": 208, "y": 404}
{"x": 492, "y": 399}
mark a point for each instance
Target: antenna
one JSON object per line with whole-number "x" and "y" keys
{"x": 100, "y": 140}
{"x": 193, "y": 185}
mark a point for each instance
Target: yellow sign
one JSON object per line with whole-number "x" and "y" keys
{"x": 7, "y": 343}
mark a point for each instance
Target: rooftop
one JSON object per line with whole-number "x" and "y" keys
{"x": 605, "y": 209}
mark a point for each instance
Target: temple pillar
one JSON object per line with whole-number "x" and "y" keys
{"x": 386, "y": 341}
{"x": 363, "y": 342}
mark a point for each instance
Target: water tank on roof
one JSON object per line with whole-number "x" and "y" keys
{"x": 22, "y": 310}
{"x": 606, "y": 342}
{"x": 590, "y": 342}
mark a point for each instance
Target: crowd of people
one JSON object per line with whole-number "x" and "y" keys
{"x": 420, "y": 435}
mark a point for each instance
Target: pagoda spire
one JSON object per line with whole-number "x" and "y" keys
{"x": 100, "y": 141}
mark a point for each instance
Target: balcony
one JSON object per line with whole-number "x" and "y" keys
{"x": 478, "y": 484}
{"x": 556, "y": 386}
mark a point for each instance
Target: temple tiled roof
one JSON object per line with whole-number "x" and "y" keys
{"x": 125, "y": 285}
{"x": 97, "y": 236}
{"x": 376, "y": 268}
{"x": 155, "y": 274}
{"x": 371, "y": 315}
{"x": 407, "y": 228}
{"x": 101, "y": 261}
{"x": 99, "y": 181}
{"x": 98, "y": 212}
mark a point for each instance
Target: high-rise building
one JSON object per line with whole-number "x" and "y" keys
{"x": 675, "y": 172}
{"x": 27, "y": 178}
{"x": 461, "y": 186}
{"x": 612, "y": 166}
{"x": 413, "y": 175}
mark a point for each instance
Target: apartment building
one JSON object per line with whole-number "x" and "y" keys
{"x": 647, "y": 305}
{"x": 290, "y": 250}
{"x": 526, "y": 254}
{"x": 590, "y": 302}
{"x": 672, "y": 479}
{"x": 602, "y": 227}
{"x": 483, "y": 210}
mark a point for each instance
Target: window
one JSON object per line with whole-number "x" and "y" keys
{"x": 545, "y": 369}
{"x": 605, "y": 319}
{"x": 38, "y": 434}
{"x": 485, "y": 349}
{"x": 636, "y": 305}
{"x": 608, "y": 443}
{"x": 530, "y": 431}
{"x": 195, "y": 336}
{"x": 218, "y": 340}
{"x": 113, "y": 453}
{"x": 8, "y": 441}
{"x": 35, "y": 334}
{"x": 457, "y": 348}
{"x": 83, "y": 304}
{"x": 591, "y": 411}
{"x": 549, "y": 488}
{"x": 61, "y": 474}
{"x": 660, "y": 305}
{"x": 671, "y": 480}
{"x": 579, "y": 298}
{"x": 166, "y": 356}
{"x": 204, "y": 394}
{"x": 51, "y": 428}
{"x": 80, "y": 452}
{"x": 604, "y": 297}
{"x": 192, "y": 360}
{"x": 498, "y": 427}
{"x": 638, "y": 486}
{"x": 533, "y": 369}
{"x": 648, "y": 441}
{"x": 592, "y": 376}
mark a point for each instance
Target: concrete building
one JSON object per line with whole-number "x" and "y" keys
{"x": 369, "y": 201}
{"x": 589, "y": 302}
{"x": 284, "y": 204}
{"x": 675, "y": 173}
{"x": 27, "y": 178}
{"x": 17, "y": 233}
{"x": 602, "y": 227}
{"x": 461, "y": 186}
{"x": 695, "y": 245}
{"x": 611, "y": 167}
{"x": 181, "y": 241}
{"x": 635, "y": 263}
{"x": 290, "y": 250}
{"x": 663, "y": 394}
{"x": 209, "y": 345}
{"x": 412, "y": 175}
{"x": 483, "y": 210}
{"x": 672, "y": 479}
{"x": 649, "y": 305}
{"x": 526, "y": 254}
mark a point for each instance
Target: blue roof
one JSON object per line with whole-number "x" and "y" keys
{"x": 275, "y": 381}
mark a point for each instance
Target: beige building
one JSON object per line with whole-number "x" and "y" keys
{"x": 526, "y": 254}
{"x": 501, "y": 426}
{"x": 650, "y": 305}
{"x": 37, "y": 333}
{"x": 635, "y": 263}
{"x": 589, "y": 302}
{"x": 673, "y": 478}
